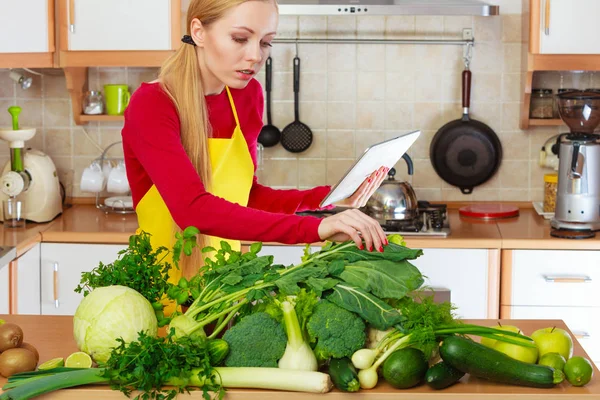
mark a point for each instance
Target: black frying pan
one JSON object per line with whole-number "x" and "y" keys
{"x": 465, "y": 152}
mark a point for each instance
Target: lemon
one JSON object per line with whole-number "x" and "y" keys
{"x": 79, "y": 359}
{"x": 52, "y": 363}
{"x": 554, "y": 360}
{"x": 579, "y": 371}
{"x": 2, "y": 321}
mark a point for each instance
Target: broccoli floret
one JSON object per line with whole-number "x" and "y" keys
{"x": 335, "y": 332}
{"x": 256, "y": 341}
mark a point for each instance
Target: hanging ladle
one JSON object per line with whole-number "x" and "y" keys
{"x": 269, "y": 135}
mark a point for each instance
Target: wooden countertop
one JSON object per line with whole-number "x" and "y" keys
{"x": 53, "y": 337}
{"x": 86, "y": 224}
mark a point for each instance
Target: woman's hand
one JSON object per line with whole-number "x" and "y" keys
{"x": 365, "y": 190}
{"x": 351, "y": 225}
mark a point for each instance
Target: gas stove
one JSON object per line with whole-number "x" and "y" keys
{"x": 429, "y": 220}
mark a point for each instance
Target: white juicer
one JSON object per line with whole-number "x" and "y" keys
{"x": 29, "y": 176}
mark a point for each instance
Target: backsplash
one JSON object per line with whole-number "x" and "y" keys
{"x": 351, "y": 96}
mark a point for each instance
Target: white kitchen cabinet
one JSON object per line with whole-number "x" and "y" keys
{"x": 28, "y": 279}
{"x": 4, "y": 295}
{"x": 554, "y": 278}
{"x": 109, "y": 25}
{"x": 462, "y": 271}
{"x": 61, "y": 267}
{"x": 569, "y": 27}
{"x": 27, "y": 26}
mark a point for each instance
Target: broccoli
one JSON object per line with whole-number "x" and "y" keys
{"x": 257, "y": 340}
{"x": 335, "y": 332}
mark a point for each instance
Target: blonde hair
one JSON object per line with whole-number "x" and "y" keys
{"x": 181, "y": 79}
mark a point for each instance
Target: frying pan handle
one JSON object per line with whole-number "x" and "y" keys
{"x": 466, "y": 90}
{"x": 268, "y": 72}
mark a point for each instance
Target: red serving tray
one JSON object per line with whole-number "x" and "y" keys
{"x": 489, "y": 211}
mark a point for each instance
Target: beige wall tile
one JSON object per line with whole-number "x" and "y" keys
{"x": 341, "y": 115}
{"x": 514, "y": 174}
{"x": 59, "y": 142}
{"x": 429, "y": 58}
{"x": 340, "y": 144}
{"x": 37, "y": 142}
{"x": 57, "y": 113}
{"x": 454, "y": 25}
{"x": 428, "y": 116}
{"x": 282, "y": 172}
{"x": 487, "y": 57}
{"x": 341, "y": 57}
{"x": 283, "y": 113}
{"x": 364, "y": 139}
{"x": 282, "y": 86}
{"x": 511, "y": 113}
{"x": 336, "y": 169}
{"x": 399, "y": 26}
{"x": 399, "y": 86}
{"x": 420, "y": 149}
{"x": 429, "y": 27}
{"x": 485, "y": 194}
{"x": 428, "y": 87}
{"x": 313, "y": 57}
{"x": 341, "y": 86}
{"x": 107, "y": 76}
{"x": 512, "y": 57}
{"x": 318, "y": 146}
{"x": 109, "y": 136}
{"x": 515, "y": 195}
{"x": 425, "y": 176}
{"x": 370, "y": 87}
{"x": 489, "y": 114}
{"x": 6, "y": 119}
{"x": 55, "y": 87}
{"x": 313, "y": 86}
{"x": 511, "y": 87}
{"x": 341, "y": 26}
{"x": 370, "y": 26}
{"x": 314, "y": 114}
{"x": 7, "y": 86}
{"x": 515, "y": 145}
{"x": 537, "y": 175}
{"x": 370, "y": 57}
{"x": 536, "y": 194}
{"x": 451, "y": 87}
{"x": 487, "y": 29}
{"x": 31, "y": 114}
{"x": 312, "y": 26}
{"x": 370, "y": 115}
{"x": 454, "y": 194}
{"x": 82, "y": 146}
{"x": 429, "y": 194}
{"x": 135, "y": 77}
{"x": 511, "y": 28}
{"x": 486, "y": 88}
{"x": 283, "y": 54}
{"x": 288, "y": 26}
{"x": 399, "y": 116}
{"x": 312, "y": 172}
{"x": 401, "y": 58}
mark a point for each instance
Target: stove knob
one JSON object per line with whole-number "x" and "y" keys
{"x": 12, "y": 183}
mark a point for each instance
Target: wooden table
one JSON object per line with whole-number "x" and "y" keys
{"x": 53, "y": 337}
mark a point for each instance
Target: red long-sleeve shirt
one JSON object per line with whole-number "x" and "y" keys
{"x": 155, "y": 155}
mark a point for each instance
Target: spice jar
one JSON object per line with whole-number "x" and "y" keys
{"x": 542, "y": 103}
{"x": 550, "y": 186}
{"x": 560, "y": 91}
{"x": 93, "y": 104}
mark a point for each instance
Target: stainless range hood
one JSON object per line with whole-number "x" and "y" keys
{"x": 387, "y": 7}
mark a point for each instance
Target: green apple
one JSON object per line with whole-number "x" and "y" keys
{"x": 492, "y": 342}
{"x": 553, "y": 340}
{"x": 521, "y": 353}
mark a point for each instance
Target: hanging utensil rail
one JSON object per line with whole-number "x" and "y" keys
{"x": 455, "y": 42}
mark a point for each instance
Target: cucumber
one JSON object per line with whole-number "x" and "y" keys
{"x": 442, "y": 375}
{"x": 343, "y": 374}
{"x": 481, "y": 361}
{"x": 217, "y": 351}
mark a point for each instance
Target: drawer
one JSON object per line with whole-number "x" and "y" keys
{"x": 580, "y": 321}
{"x": 555, "y": 278}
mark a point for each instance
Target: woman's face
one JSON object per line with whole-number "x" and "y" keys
{"x": 232, "y": 50}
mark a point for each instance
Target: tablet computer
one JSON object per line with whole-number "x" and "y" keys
{"x": 383, "y": 154}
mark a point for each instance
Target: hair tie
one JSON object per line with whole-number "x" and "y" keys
{"x": 188, "y": 39}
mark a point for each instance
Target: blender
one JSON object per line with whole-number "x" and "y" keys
{"x": 577, "y": 213}
{"x": 30, "y": 174}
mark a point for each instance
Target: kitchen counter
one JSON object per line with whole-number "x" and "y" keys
{"x": 86, "y": 224}
{"x": 53, "y": 337}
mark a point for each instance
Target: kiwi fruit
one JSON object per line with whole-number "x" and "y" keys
{"x": 32, "y": 349}
{"x": 11, "y": 336}
{"x": 16, "y": 360}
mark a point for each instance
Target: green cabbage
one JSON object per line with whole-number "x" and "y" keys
{"x": 108, "y": 313}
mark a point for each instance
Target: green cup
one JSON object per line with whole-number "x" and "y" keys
{"x": 117, "y": 99}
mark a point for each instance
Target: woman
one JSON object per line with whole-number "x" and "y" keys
{"x": 190, "y": 143}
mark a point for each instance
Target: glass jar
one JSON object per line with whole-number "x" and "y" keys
{"x": 550, "y": 186}
{"x": 560, "y": 91}
{"x": 542, "y": 103}
{"x": 93, "y": 103}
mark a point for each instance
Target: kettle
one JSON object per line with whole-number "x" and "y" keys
{"x": 394, "y": 200}
{"x": 549, "y": 153}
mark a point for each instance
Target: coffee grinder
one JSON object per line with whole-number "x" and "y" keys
{"x": 577, "y": 212}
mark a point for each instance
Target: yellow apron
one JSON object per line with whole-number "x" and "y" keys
{"x": 232, "y": 175}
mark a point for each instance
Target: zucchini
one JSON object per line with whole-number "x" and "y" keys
{"x": 442, "y": 375}
{"x": 343, "y": 374}
{"x": 217, "y": 351}
{"x": 481, "y": 361}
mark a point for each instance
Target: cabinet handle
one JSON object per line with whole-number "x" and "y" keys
{"x": 72, "y": 16}
{"x": 546, "y": 18}
{"x": 56, "y": 302}
{"x": 581, "y": 334}
{"x": 567, "y": 279}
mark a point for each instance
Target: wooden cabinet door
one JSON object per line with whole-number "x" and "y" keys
{"x": 62, "y": 265}
{"x": 4, "y": 295}
{"x": 27, "y": 26}
{"x": 28, "y": 282}
{"x": 119, "y": 24}
{"x": 569, "y": 27}
{"x": 462, "y": 271}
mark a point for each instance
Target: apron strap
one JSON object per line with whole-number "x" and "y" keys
{"x": 237, "y": 121}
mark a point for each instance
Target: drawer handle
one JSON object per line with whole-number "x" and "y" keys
{"x": 567, "y": 279}
{"x": 547, "y": 18}
{"x": 72, "y": 16}
{"x": 581, "y": 334}
{"x": 56, "y": 302}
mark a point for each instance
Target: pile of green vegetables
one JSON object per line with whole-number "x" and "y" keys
{"x": 248, "y": 322}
